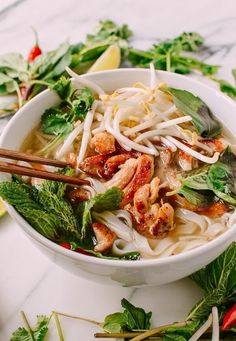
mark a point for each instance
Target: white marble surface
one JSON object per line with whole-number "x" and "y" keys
{"x": 30, "y": 282}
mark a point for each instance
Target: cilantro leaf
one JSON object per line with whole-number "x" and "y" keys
{"x": 202, "y": 118}
{"x": 218, "y": 282}
{"x": 63, "y": 88}
{"x": 82, "y": 102}
{"x": 55, "y": 121}
{"x": 39, "y": 331}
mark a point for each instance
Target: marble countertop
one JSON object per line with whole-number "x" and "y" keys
{"x": 29, "y": 281}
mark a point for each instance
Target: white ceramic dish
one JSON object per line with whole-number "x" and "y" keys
{"x": 126, "y": 273}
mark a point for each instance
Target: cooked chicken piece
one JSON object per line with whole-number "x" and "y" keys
{"x": 154, "y": 189}
{"x": 156, "y": 222}
{"x": 103, "y": 143}
{"x": 124, "y": 176}
{"x": 78, "y": 195}
{"x": 185, "y": 160}
{"x": 112, "y": 164}
{"x": 166, "y": 156}
{"x": 105, "y": 237}
{"x": 146, "y": 195}
{"x": 93, "y": 165}
{"x": 142, "y": 176}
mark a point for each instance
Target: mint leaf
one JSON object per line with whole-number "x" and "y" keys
{"x": 202, "y": 118}
{"x": 107, "y": 201}
{"x": 39, "y": 331}
{"x": 218, "y": 282}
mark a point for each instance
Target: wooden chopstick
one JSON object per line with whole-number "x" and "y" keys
{"x": 15, "y": 155}
{"x": 22, "y": 170}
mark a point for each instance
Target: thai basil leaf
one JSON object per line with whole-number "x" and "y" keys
{"x": 202, "y": 118}
{"x": 218, "y": 282}
{"x": 184, "y": 331}
{"x": 132, "y": 318}
{"x": 14, "y": 66}
{"x": 137, "y": 318}
{"x": 196, "y": 197}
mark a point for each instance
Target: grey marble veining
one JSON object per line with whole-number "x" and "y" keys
{"x": 29, "y": 281}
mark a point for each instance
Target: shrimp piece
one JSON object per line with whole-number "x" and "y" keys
{"x": 93, "y": 165}
{"x": 103, "y": 143}
{"x": 105, "y": 237}
{"x": 142, "y": 176}
{"x": 124, "y": 176}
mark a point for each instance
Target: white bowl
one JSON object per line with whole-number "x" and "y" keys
{"x": 126, "y": 273}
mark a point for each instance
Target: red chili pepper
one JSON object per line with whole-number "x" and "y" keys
{"x": 229, "y": 318}
{"x": 65, "y": 245}
{"x": 83, "y": 252}
{"x": 35, "y": 51}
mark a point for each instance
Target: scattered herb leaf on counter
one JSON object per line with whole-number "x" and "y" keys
{"x": 218, "y": 283}
{"x": 203, "y": 120}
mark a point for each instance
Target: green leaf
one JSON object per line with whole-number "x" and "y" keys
{"x": 137, "y": 318}
{"x": 14, "y": 66}
{"x": 202, "y": 118}
{"x": 234, "y": 74}
{"x": 63, "y": 88}
{"x": 45, "y": 223}
{"x": 107, "y": 201}
{"x": 218, "y": 282}
{"x": 18, "y": 195}
{"x": 7, "y": 84}
{"x": 196, "y": 197}
{"x": 172, "y": 337}
{"x": 115, "y": 323}
{"x": 184, "y": 331}
{"x": 57, "y": 187}
{"x": 57, "y": 206}
{"x": 132, "y": 318}
{"x": 56, "y": 122}
{"x": 82, "y": 102}
{"x": 226, "y": 87}
{"x": 190, "y": 41}
{"x": 39, "y": 331}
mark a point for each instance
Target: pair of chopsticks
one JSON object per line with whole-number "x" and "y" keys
{"x": 12, "y": 168}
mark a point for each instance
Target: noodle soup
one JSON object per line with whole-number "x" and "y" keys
{"x": 160, "y": 169}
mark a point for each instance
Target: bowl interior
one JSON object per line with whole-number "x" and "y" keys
{"x": 29, "y": 116}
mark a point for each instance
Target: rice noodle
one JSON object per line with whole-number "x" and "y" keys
{"x": 169, "y": 144}
{"x": 194, "y": 153}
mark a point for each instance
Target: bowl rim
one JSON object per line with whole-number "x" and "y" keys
{"x": 142, "y": 263}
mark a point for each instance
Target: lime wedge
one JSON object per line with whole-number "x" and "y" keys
{"x": 110, "y": 59}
